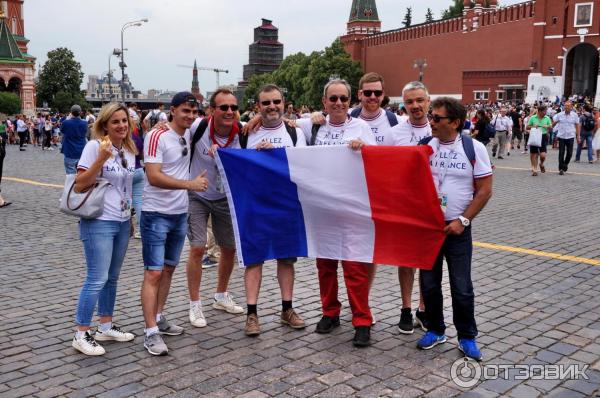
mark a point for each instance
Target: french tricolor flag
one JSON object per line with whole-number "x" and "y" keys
{"x": 378, "y": 205}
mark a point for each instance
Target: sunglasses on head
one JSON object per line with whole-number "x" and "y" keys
{"x": 183, "y": 143}
{"x": 225, "y": 107}
{"x": 274, "y": 102}
{"x": 436, "y": 118}
{"x": 335, "y": 98}
{"x": 123, "y": 160}
{"x": 368, "y": 93}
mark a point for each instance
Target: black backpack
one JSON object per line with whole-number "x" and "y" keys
{"x": 589, "y": 124}
{"x": 154, "y": 118}
{"x": 242, "y": 137}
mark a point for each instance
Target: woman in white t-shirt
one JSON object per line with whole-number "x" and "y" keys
{"x": 110, "y": 155}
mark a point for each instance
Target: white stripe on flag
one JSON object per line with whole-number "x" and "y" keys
{"x": 332, "y": 189}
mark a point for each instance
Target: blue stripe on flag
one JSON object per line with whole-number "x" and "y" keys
{"x": 269, "y": 218}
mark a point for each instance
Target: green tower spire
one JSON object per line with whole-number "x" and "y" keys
{"x": 9, "y": 50}
{"x": 363, "y": 10}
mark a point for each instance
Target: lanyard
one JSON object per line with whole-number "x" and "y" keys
{"x": 232, "y": 134}
{"x": 442, "y": 173}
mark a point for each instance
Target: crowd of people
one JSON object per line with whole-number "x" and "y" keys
{"x": 183, "y": 196}
{"x": 165, "y": 187}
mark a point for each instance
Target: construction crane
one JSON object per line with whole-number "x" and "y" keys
{"x": 216, "y": 70}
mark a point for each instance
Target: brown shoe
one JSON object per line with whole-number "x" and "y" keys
{"x": 252, "y": 325}
{"x": 289, "y": 317}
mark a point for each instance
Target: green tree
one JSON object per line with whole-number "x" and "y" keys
{"x": 455, "y": 10}
{"x": 429, "y": 15}
{"x": 333, "y": 62}
{"x": 60, "y": 73}
{"x": 10, "y": 104}
{"x": 407, "y": 18}
{"x": 254, "y": 85}
{"x": 63, "y": 101}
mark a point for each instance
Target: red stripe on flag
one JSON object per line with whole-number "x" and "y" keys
{"x": 409, "y": 223}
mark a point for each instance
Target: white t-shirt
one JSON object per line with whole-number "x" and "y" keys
{"x": 203, "y": 161}
{"x": 380, "y": 125}
{"x": 338, "y": 134}
{"x": 121, "y": 179}
{"x": 164, "y": 146}
{"x": 162, "y": 117}
{"x": 277, "y": 136}
{"x": 407, "y": 134}
{"x": 453, "y": 174}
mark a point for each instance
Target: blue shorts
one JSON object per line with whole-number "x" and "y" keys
{"x": 163, "y": 237}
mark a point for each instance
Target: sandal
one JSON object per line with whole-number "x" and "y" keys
{"x": 534, "y": 173}
{"x": 4, "y": 204}
{"x": 542, "y": 168}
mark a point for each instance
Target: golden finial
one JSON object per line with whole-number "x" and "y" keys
{"x": 2, "y": 16}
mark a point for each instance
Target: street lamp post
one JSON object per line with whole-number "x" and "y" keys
{"x": 420, "y": 64}
{"x": 122, "y": 63}
{"x": 115, "y": 52}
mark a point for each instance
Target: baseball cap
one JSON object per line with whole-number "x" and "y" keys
{"x": 75, "y": 108}
{"x": 183, "y": 97}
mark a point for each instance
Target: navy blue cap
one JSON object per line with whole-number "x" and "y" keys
{"x": 183, "y": 97}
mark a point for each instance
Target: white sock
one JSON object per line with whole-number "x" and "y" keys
{"x": 220, "y": 296}
{"x": 196, "y": 303}
{"x": 79, "y": 334}
{"x": 105, "y": 327}
{"x": 151, "y": 331}
{"x": 158, "y": 317}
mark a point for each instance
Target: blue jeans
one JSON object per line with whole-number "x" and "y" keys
{"x": 458, "y": 251}
{"x": 105, "y": 244}
{"x": 71, "y": 165}
{"x": 163, "y": 237}
{"x": 138, "y": 189}
{"x": 588, "y": 139}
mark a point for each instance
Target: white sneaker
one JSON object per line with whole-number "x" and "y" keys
{"x": 87, "y": 345}
{"x": 197, "y": 318}
{"x": 50, "y": 149}
{"x": 227, "y": 304}
{"x": 137, "y": 235}
{"x": 114, "y": 333}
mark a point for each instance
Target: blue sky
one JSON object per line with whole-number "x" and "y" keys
{"x": 216, "y": 33}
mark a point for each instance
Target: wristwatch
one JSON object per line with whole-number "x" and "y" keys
{"x": 464, "y": 221}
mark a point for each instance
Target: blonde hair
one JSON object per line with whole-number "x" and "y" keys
{"x": 99, "y": 130}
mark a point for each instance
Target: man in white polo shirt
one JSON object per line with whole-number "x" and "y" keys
{"x": 342, "y": 129}
{"x": 273, "y": 133}
{"x": 567, "y": 124}
{"x": 462, "y": 174}
{"x": 164, "y": 215}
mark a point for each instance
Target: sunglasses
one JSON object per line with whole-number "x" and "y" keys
{"x": 335, "y": 98}
{"x": 368, "y": 93}
{"x": 123, "y": 160}
{"x": 183, "y": 143}
{"x": 437, "y": 118}
{"x": 274, "y": 102}
{"x": 225, "y": 107}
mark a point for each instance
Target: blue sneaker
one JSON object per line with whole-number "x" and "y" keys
{"x": 470, "y": 349}
{"x": 430, "y": 340}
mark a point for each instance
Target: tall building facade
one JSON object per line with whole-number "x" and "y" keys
{"x": 17, "y": 67}
{"x": 523, "y": 52}
{"x": 266, "y": 52}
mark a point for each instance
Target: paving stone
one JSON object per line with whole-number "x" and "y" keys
{"x": 529, "y": 309}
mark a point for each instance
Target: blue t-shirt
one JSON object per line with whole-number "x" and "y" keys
{"x": 74, "y": 132}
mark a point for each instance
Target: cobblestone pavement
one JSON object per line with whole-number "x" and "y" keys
{"x": 530, "y": 309}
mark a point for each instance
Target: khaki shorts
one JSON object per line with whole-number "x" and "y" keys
{"x": 200, "y": 209}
